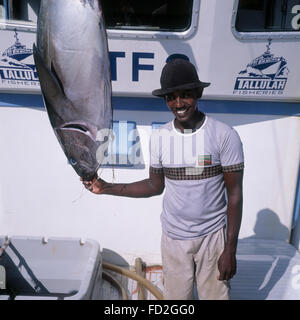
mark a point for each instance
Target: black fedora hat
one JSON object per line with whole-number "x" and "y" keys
{"x": 178, "y": 74}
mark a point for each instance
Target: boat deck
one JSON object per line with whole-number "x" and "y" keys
{"x": 266, "y": 270}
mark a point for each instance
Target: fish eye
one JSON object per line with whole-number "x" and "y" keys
{"x": 72, "y": 161}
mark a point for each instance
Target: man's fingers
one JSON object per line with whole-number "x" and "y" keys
{"x": 225, "y": 277}
{"x": 89, "y": 185}
{"x": 94, "y": 185}
{"x": 85, "y": 182}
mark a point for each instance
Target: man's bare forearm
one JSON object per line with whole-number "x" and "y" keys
{"x": 234, "y": 218}
{"x": 139, "y": 189}
{"x": 234, "y": 186}
{"x": 152, "y": 186}
{"x": 227, "y": 260}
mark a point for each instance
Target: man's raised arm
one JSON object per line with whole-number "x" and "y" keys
{"x": 152, "y": 186}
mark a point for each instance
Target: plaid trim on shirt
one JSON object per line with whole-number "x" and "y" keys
{"x": 235, "y": 167}
{"x": 192, "y": 173}
{"x": 195, "y": 173}
{"x": 157, "y": 170}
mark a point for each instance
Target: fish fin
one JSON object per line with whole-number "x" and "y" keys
{"x": 50, "y": 83}
{"x": 51, "y": 87}
{"x": 57, "y": 78}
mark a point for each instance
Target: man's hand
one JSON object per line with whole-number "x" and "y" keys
{"x": 227, "y": 265}
{"x": 96, "y": 185}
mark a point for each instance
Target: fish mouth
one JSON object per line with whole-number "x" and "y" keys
{"x": 79, "y": 127}
{"x": 75, "y": 126}
{"x": 80, "y": 148}
{"x": 86, "y": 172}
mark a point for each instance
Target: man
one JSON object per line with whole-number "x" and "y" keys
{"x": 195, "y": 158}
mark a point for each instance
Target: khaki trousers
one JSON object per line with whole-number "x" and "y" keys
{"x": 188, "y": 261}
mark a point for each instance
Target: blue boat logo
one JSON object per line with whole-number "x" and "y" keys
{"x": 16, "y": 65}
{"x": 265, "y": 75}
{"x": 17, "y": 51}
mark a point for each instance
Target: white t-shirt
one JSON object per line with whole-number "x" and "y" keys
{"x": 193, "y": 163}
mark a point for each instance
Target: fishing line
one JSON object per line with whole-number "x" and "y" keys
{"x": 81, "y": 194}
{"x": 112, "y": 165}
{"x": 110, "y": 146}
{"x": 112, "y": 136}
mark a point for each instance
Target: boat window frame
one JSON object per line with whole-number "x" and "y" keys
{"x": 27, "y": 26}
{"x": 18, "y": 25}
{"x": 259, "y": 35}
{"x": 3, "y": 4}
{"x": 157, "y": 34}
{"x": 123, "y": 160}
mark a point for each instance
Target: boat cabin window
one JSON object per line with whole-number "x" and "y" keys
{"x": 25, "y": 10}
{"x": 268, "y": 16}
{"x": 150, "y": 15}
{"x": 2, "y": 10}
{"x": 156, "y": 15}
